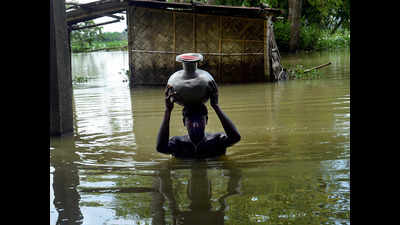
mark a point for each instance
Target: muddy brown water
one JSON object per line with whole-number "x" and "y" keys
{"x": 292, "y": 165}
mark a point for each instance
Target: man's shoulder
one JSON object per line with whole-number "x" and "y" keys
{"x": 214, "y": 135}
{"x": 210, "y": 139}
{"x": 178, "y": 139}
{"x": 220, "y": 138}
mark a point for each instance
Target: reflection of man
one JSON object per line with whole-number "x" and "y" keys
{"x": 197, "y": 144}
{"x": 199, "y": 191}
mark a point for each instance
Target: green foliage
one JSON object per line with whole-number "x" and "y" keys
{"x": 251, "y": 3}
{"x": 309, "y": 35}
{"x": 298, "y": 72}
{"x": 100, "y": 45}
{"x": 282, "y": 35}
{"x": 90, "y": 39}
{"x": 339, "y": 39}
{"x": 320, "y": 14}
{"x": 327, "y": 13}
{"x": 320, "y": 21}
{"x": 84, "y": 38}
{"x": 113, "y": 36}
{"x": 229, "y": 2}
{"x": 79, "y": 79}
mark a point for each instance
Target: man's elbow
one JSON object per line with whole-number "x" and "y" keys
{"x": 162, "y": 148}
{"x": 159, "y": 148}
{"x": 236, "y": 138}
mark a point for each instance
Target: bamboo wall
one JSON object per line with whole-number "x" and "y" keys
{"x": 156, "y": 36}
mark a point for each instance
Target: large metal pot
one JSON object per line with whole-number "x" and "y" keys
{"x": 191, "y": 85}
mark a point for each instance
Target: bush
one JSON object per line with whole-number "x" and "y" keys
{"x": 339, "y": 39}
{"x": 85, "y": 47}
{"x": 311, "y": 37}
{"x": 282, "y": 35}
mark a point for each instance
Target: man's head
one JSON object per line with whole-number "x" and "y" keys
{"x": 195, "y": 119}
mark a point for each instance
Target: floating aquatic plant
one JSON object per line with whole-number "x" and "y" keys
{"x": 299, "y": 72}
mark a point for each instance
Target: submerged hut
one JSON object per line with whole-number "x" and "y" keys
{"x": 235, "y": 41}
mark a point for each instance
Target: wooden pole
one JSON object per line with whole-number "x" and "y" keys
{"x": 60, "y": 78}
{"x": 94, "y": 25}
{"x": 317, "y": 67}
{"x": 266, "y": 49}
{"x": 220, "y": 50}
{"x": 174, "y": 39}
{"x": 130, "y": 21}
{"x": 194, "y": 33}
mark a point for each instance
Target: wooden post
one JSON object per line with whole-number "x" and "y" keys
{"x": 317, "y": 67}
{"x": 220, "y": 50}
{"x": 61, "y": 118}
{"x": 194, "y": 33}
{"x": 242, "y": 61}
{"x": 266, "y": 49}
{"x": 174, "y": 38}
{"x": 130, "y": 15}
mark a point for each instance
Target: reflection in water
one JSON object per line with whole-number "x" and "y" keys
{"x": 65, "y": 182}
{"x": 291, "y": 166}
{"x": 199, "y": 191}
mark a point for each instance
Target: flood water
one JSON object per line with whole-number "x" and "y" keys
{"x": 292, "y": 165}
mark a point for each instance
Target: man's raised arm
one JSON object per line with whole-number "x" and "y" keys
{"x": 163, "y": 134}
{"x": 227, "y": 124}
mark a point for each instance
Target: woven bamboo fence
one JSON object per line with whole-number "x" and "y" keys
{"x": 233, "y": 47}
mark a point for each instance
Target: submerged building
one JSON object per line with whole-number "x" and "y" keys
{"x": 233, "y": 40}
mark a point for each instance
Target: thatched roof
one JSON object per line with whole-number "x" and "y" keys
{"x": 207, "y": 9}
{"x": 96, "y": 9}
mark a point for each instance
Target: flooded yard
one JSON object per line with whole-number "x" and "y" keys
{"x": 292, "y": 165}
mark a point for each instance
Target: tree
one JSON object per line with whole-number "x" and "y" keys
{"x": 86, "y": 37}
{"x": 343, "y": 15}
{"x": 319, "y": 14}
{"x": 328, "y": 14}
{"x": 294, "y": 19}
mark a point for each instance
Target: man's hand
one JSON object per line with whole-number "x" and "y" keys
{"x": 169, "y": 92}
{"x": 214, "y": 95}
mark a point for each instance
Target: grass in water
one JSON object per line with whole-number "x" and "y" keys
{"x": 299, "y": 72}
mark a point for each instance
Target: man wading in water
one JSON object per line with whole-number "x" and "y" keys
{"x": 197, "y": 144}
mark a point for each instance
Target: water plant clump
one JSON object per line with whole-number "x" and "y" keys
{"x": 300, "y": 73}
{"x": 125, "y": 75}
{"x": 78, "y": 79}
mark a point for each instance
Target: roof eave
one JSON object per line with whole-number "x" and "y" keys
{"x": 207, "y": 9}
